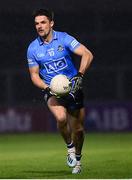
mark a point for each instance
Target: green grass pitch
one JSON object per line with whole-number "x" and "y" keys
{"x": 43, "y": 156}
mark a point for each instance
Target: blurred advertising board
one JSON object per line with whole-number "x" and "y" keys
{"x": 25, "y": 119}
{"x": 109, "y": 117}
{"x": 100, "y": 117}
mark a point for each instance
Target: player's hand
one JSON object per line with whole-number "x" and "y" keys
{"x": 76, "y": 82}
{"x": 48, "y": 91}
{"x": 47, "y": 94}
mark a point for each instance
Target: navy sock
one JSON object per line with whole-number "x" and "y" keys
{"x": 78, "y": 157}
{"x": 71, "y": 145}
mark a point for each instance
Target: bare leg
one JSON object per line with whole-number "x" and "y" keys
{"x": 65, "y": 131}
{"x": 63, "y": 118}
{"x": 76, "y": 120}
{"x": 60, "y": 114}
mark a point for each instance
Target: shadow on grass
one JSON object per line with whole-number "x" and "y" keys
{"x": 47, "y": 173}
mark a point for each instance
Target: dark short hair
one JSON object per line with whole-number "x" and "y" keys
{"x": 44, "y": 12}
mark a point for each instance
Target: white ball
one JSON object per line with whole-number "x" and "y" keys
{"x": 60, "y": 85}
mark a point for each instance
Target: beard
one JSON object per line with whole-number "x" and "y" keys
{"x": 44, "y": 35}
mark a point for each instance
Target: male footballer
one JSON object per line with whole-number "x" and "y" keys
{"x": 48, "y": 55}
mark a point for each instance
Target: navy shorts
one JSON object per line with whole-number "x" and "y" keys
{"x": 71, "y": 102}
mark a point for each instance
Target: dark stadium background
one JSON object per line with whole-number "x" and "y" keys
{"x": 104, "y": 26}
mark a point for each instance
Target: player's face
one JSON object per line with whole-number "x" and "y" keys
{"x": 43, "y": 26}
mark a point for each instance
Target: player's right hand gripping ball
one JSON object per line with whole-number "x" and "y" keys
{"x": 76, "y": 82}
{"x": 47, "y": 94}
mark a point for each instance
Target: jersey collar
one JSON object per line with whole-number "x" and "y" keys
{"x": 54, "y": 38}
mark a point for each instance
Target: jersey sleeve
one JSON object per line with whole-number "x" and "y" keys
{"x": 70, "y": 42}
{"x": 30, "y": 57}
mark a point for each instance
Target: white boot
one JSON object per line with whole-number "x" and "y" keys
{"x": 77, "y": 168}
{"x": 71, "y": 158}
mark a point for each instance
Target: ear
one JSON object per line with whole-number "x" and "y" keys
{"x": 52, "y": 23}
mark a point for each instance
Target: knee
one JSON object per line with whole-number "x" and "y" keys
{"x": 61, "y": 120}
{"x": 78, "y": 130}
{"x": 78, "y": 134}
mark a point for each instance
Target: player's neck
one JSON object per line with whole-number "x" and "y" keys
{"x": 49, "y": 37}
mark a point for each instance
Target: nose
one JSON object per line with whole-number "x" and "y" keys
{"x": 38, "y": 26}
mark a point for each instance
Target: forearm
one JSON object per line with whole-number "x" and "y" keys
{"x": 37, "y": 81}
{"x": 86, "y": 60}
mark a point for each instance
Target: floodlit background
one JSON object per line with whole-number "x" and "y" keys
{"x": 104, "y": 27}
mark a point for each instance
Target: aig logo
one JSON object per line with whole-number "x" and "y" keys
{"x": 55, "y": 65}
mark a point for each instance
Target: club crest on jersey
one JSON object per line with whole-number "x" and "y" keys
{"x": 60, "y": 48}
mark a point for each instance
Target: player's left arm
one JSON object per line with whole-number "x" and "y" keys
{"x": 86, "y": 57}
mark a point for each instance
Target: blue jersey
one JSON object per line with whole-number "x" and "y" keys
{"x": 53, "y": 58}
